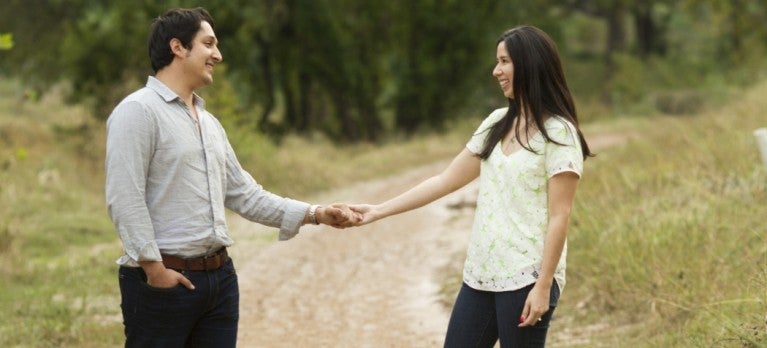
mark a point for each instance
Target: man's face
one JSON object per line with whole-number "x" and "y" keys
{"x": 203, "y": 56}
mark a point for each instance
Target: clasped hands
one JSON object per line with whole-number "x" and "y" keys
{"x": 341, "y": 215}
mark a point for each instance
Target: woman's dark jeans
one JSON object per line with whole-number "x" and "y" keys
{"x": 480, "y": 318}
{"x": 178, "y": 317}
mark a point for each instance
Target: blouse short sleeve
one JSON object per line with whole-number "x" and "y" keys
{"x": 477, "y": 141}
{"x": 567, "y": 157}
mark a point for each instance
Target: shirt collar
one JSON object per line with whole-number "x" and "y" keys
{"x": 167, "y": 94}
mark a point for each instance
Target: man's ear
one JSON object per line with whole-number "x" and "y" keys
{"x": 177, "y": 48}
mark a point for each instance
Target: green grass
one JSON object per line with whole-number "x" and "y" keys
{"x": 57, "y": 279}
{"x": 668, "y": 245}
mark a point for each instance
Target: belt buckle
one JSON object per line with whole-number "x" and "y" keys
{"x": 205, "y": 261}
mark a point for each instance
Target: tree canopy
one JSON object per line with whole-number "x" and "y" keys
{"x": 356, "y": 70}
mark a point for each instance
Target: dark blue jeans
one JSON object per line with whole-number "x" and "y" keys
{"x": 480, "y": 318}
{"x": 178, "y": 317}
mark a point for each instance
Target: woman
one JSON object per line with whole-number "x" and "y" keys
{"x": 529, "y": 158}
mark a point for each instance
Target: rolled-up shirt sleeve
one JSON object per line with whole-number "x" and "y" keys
{"x": 249, "y": 199}
{"x": 129, "y": 148}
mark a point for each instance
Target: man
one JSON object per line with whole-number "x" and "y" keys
{"x": 170, "y": 172}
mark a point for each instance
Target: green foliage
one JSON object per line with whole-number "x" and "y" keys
{"x": 668, "y": 241}
{"x": 356, "y": 71}
{"x": 96, "y": 58}
{"x": 222, "y": 101}
{"x": 21, "y": 153}
{"x": 627, "y": 84}
{"x": 57, "y": 281}
{"x": 38, "y": 27}
{"x": 683, "y": 102}
{"x": 6, "y": 41}
{"x": 340, "y": 66}
{"x": 439, "y": 42}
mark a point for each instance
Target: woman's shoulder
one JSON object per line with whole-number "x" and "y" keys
{"x": 560, "y": 129}
{"x": 496, "y": 114}
{"x": 558, "y": 122}
{"x": 494, "y": 117}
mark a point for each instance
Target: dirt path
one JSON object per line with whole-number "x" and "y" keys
{"x": 372, "y": 286}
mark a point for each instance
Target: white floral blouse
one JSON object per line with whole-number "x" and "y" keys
{"x": 510, "y": 223}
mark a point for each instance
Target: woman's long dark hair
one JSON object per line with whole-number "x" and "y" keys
{"x": 539, "y": 88}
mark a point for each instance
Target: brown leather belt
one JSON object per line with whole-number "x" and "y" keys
{"x": 203, "y": 263}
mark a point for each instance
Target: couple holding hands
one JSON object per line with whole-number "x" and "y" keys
{"x": 171, "y": 174}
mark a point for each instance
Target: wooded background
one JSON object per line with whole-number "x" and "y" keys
{"x": 361, "y": 70}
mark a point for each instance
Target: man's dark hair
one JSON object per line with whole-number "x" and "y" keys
{"x": 180, "y": 23}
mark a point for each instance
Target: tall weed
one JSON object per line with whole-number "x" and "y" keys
{"x": 669, "y": 241}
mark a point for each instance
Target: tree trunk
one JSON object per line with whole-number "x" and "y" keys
{"x": 348, "y": 126}
{"x": 650, "y": 30}
{"x": 616, "y": 35}
{"x": 266, "y": 66}
{"x": 371, "y": 123}
{"x": 645, "y": 29}
{"x": 302, "y": 117}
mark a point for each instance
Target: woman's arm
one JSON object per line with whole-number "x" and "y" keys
{"x": 561, "y": 193}
{"x": 462, "y": 170}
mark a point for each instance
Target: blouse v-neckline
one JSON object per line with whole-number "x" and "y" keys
{"x": 529, "y": 140}
{"x": 518, "y": 149}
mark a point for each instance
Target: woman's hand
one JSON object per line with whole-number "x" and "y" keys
{"x": 366, "y": 212}
{"x": 536, "y": 305}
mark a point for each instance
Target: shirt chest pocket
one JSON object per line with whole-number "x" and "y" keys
{"x": 176, "y": 149}
{"x": 215, "y": 150}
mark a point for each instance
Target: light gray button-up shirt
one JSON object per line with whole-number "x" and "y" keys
{"x": 167, "y": 182}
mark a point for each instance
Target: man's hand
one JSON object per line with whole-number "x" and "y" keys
{"x": 337, "y": 215}
{"x": 157, "y": 276}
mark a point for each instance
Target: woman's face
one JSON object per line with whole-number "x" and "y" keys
{"x": 504, "y": 70}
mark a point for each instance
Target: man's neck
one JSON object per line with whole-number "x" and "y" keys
{"x": 176, "y": 83}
